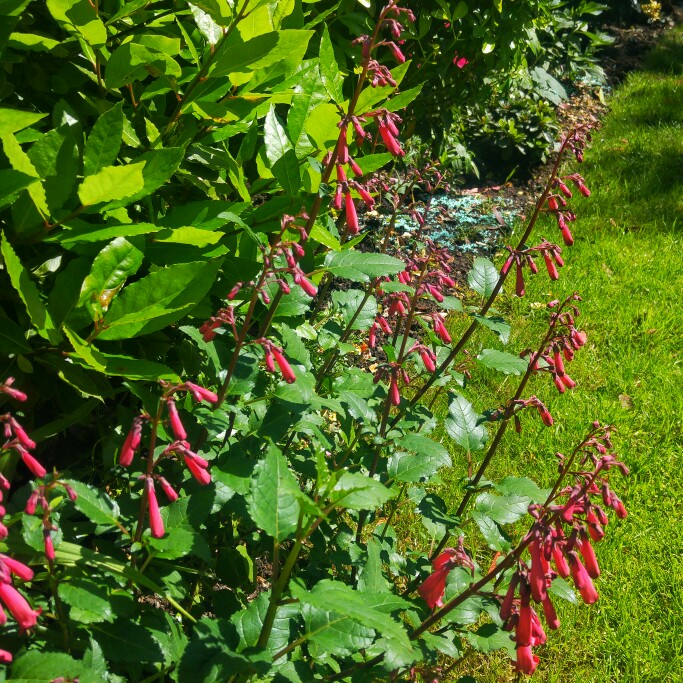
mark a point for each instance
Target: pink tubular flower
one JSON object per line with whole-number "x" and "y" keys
{"x": 560, "y": 561}
{"x": 582, "y": 580}
{"x": 550, "y": 614}
{"x": 396, "y": 51}
{"x": 306, "y": 284}
{"x": 428, "y": 360}
{"x": 21, "y": 435}
{"x": 390, "y": 141}
{"x": 156, "y": 524}
{"x": 200, "y": 393}
{"x": 6, "y": 388}
{"x": 48, "y": 545}
{"x": 508, "y": 600}
{"x": 18, "y": 606}
{"x": 200, "y": 473}
{"x": 589, "y": 559}
{"x": 394, "y": 393}
{"x": 17, "y": 568}
{"x": 342, "y": 146}
{"x": 538, "y": 569}
{"x": 168, "y": 489}
{"x": 176, "y": 425}
{"x": 36, "y": 468}
{"x": 132, "y": 442}
{"x": 584, "y": 190}
{"x": 285, "y": 368}
{"x": 519, "y": 281}
{"x": 506, "y": 266}
{"x": 434, "y": 587}
{"x": 441, "y": 330}
{"x": 5, "y": 657}
{"x": 351, "y": 215}
{"x": 527, "y": 661}
{"x": 550, "y": 265}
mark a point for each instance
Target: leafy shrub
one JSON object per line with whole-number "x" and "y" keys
{"x": 185, "y": 312}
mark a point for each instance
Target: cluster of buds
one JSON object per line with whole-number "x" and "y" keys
{"x": 197, "y": 466}
{"x": 280, "y": 260}
{"x": 39, "y": 498}
{"x": 394, "y": 372}
{"x": 433, "y": 588}
{"x": 525, "y": 257}
{"x": 560, "y": 545}
{"x": 561, "y": 347}
{"x": 10, "y": 598}
{"x": 517, "y": 406}
{"x": 426, "y": 354}
{"x": 275, "y": 355}
{"x": 557, "y": 203}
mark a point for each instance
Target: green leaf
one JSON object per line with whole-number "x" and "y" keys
{"x": 111, "y": 268}
{"x": 119, "y": 366}
{"x": 206, "y": 25}
{"x": 403, "y": 99}
{"x": 126, "y": 641}
{"x": 348, "y": 303}
{"x": 280, "y": 153}
{"x": 373, "y": 162}
{"x": 522, "y": 486}
{"x": 332, "y": 78}
{"x": 272, "y": 500}
{"x": 132, "y": 62}
{"x": 159, "y": 166}
{"x": 424, "y": 462}
{"x": 483, "y": 276}
{"x": 490, "y": 637}
{"x": 503, "y": 362}
{"x": 362, "y": 266}
{"x": 159, "y": 299}
{"x": 210, "y": 657}
{"x": 560, "y": 588}
{"x": 29, "y": 294}
{"x": 35, "y": 666}
{"x": 104, "y": 142}
{"x": 356, "y": 491}
{"x": 502, "y": 509}
{"x": 20, "y": 161}
{"x": 112, "y": 183}
{"x": 308, "y": 95}
{"x": 95, "y": 504}
{"x": 491, "y": 532}
{"x": 497, "y": 325}
{"x": 366, "y": 608}
{"x": 97, "y": 233}
{"x": 237, "y": 56}
{"x": 334, "y": 633}
{"x": 89, "y": 601}
{"x": 78, "y": 16}
{"x": 324, "y": 237}
{"x": 12, "y": 182}
{"x": 249, "y": 623}
{"x": 462, "y": 425}
{"x": 12, "y": 339}
{"x": 13, "y": 120}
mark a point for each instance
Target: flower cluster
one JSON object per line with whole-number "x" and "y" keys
{"x": 561, "y": 347}
{"x": 559, "y": 544}
{"x": 179, "y": 448}
{"x": 433, "y": 588}
{"x": 39, "y": 498}
{"x": 10, "y": 598}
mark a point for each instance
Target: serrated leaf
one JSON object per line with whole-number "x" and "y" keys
{"x": 362, "y": 266}
{"x": 502, "y": 509}
{"x": 95, "y": 504}
{"x": 356, "y": 491}
{"x": 126, "y": 641}
{"x": 522, "y": 486}
{"x": 369, "y": 609}
{"x": 491, "y": 532}
{"x": 273, "y": 497}
{"x": 35, "y": 666}
{"x": 334, "y": 633}
{"x": 483, "y": 276}
{"x": 502, "y": 361}
{"x": 159, "y": 299}
{"x": 104, "y": 142}
{"x": 89, "y": 601}
{"x": 497, "y": 325}
{"x": 420, "y": 465}
{"x": 349, "y": 301}
{"x": 249, "y": 623}
{"x": 462, "y": 425}
{"x": 210, "y": 655}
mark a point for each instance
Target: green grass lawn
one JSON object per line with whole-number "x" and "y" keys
{"x": 627, "y": 264}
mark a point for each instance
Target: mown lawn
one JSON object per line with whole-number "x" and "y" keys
{"x": 627, "y": 264}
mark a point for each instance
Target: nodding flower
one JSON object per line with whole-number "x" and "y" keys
{"x": 156, "y": 524}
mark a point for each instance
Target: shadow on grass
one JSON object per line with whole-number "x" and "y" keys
{"x": 667, "y": 57}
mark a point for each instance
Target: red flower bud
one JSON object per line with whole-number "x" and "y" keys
{"x": 176, "y": 425}
{"x": 156, "y": 524}
{"x": 550, "y": 265}
{"x": 351, "y": 215}
{"x": 285, "y": 368}
{"x": 394, "y": 393}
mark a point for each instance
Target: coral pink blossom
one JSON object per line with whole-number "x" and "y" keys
{"x": 48, "y": 545}
{"x": 394, "y": 393}
{"x": 156, "y": 524}
{"x": 36, "y": 468}
{"x": 168, "y": 490}
{"x": 5, "y": 657}
{"x": 176, "y": 425}
{"x": 17, "y": 568}
{"x": 527, "y": 661}
{"x": 18, "y": 606}
{"x": 433, "y": 588}
{"x": 200, "y": 393}
{"x": 285, "y": 368}
{"x": 582, "y": 580}
{"x": 132, "y": 442}
{"x": 351, "y": 215}
{"x": 589, "y": 559}
{"x": 197, "y": 471}
{"x": 550, "y": 614}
